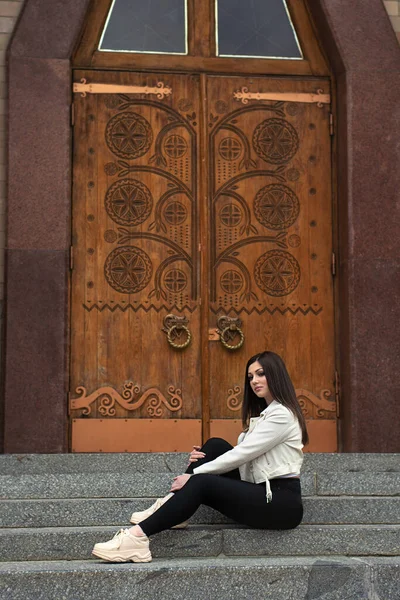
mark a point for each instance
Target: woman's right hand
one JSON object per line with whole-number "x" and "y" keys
{"x": 195, "y": 454}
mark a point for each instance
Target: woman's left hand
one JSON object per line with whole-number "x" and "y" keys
{"x": 179, "y": 482}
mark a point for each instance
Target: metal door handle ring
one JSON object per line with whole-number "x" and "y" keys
{"x": 225, "y": 343}
{"x": 174, "y": 344}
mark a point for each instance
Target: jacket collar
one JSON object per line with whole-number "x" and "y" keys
{"x": 263, "y": 412}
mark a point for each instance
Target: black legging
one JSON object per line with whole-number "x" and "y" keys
{"x": 239, "y": 500}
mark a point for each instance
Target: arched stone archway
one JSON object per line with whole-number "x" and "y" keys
{"x": 365, "y": 57}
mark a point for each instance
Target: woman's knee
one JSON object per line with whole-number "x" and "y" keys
{"x": 216, "y": 445}
{"x": 196, "y": 483}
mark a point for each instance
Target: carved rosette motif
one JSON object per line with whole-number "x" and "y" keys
{"x": 185, "y": 105}
{"x": 294, "y": 240}
{"x": 175, "y": 146}
{"x": 129, "y": 135}
{"x": 230, "y": 215}
{"x": 275, "y": 141}
{"x": 107, "y": 398}
{"x": 293, "y": 108}
{"x": 175, "y": 213}
{"x": 110, "y": 169}
{"x": 293, "y": 174}
{"x": 128, "y": 202}
{"x": 277, "y": 273}
{"x": 232, "y": 281}
{"x": 128, "y": 269}
{"x": 230, "y": 149}
{"x": 110, "y": 236}
{"x": 276, "y": 206}
{"x": 175, "y": 280}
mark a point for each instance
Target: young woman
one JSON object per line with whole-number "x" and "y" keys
{"x": 255, "y": 483}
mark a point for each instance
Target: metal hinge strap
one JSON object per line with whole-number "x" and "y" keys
{"x": 318, "y": 97}
{"x": 160, "y": 90}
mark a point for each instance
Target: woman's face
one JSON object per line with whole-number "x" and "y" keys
{"x": 258, "y": 381}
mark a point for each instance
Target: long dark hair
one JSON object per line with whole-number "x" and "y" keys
{"x": 280, "y": 385}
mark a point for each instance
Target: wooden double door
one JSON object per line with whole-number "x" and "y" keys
{"x": 201, "y": 235}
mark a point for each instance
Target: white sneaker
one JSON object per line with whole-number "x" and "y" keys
{"x": 140, "y": 516}
{"x": 124, "y": 547}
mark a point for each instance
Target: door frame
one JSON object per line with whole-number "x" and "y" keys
{"x": 36, "y": 383}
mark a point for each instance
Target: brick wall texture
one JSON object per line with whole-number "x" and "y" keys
{"x": 9, "y": 11}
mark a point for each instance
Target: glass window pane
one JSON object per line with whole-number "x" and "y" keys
{"x": 150, "y": 26}
{"x": 256, "y": 28}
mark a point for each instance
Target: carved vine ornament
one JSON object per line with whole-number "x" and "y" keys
{"x": 108, "y": 397}
{"x": 313, "y": 407}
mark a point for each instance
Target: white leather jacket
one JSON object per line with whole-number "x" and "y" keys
{"x": 271, "y": 448}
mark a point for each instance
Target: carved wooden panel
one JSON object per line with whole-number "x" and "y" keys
{"x": 135, "y": 228}
{"x": 271, "y": 237}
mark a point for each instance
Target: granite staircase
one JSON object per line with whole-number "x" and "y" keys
{"x": 53, "y": 508}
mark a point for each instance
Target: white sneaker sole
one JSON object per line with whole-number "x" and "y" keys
{"x": 116, "y": 556}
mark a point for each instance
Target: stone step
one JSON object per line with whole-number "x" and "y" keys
{"x": 82, "y": 512}
{"x": 302, "y": 578}
{"x": 144, "y": 485}
{"x": 170, "y": 462}
{"x": 98, "y": 485}
{"x": 76, "y": 543}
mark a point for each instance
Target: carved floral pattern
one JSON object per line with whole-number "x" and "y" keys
{"x": 276, "y": 206}
{"x": 276, "y": 141}
{"x": 277, "y": 273}
{"x": 128, "y": 269}
{"x": 128, "y": 202}
{"x": 129, "y": 135}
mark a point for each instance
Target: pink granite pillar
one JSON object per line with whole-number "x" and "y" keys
{"x": 39, "y": 204}
{"x": 365, "y": 54}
